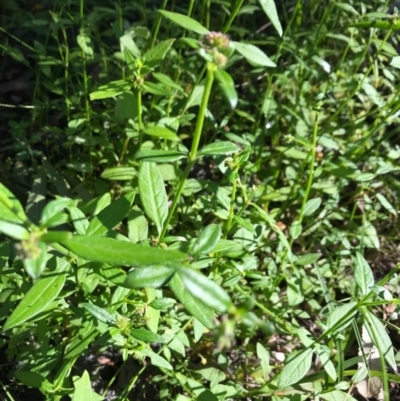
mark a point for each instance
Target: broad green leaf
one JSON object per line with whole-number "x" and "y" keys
{"x": 363, "y": 274}
{"x": 79, "y": 344}
{"x": 84, "y": 43}
{"x": 14, "y": 231}
{"x": 196, "y": 308}
{"x": 204, "y": 289}
{"x": 253, "y": 54}
{"x": 245, "y": 224}
{"x": 153, "y": 194}
{"x": 10, "y": 208}
{"x": 207, "y": 240}
{"x": 395, "y": 62}
{"x": 53, "y": 208}
{"x": 270, "y": 10}
{"x": 146, "y": 336}
{"x": 385, "y": 203}
{"x": 311, "y": 206}
{"x": 55, "y": 236}
{"x": 156, "y": 360}
{"x": 111, "y": 89}
{"x": 152, "y": 316}
{"x": 128, "y": 45}
{"x": 337, "y": 395}
{"x": 160, "y": 156}
{"x": 37, "y": 196}
{"x": 161, "y": 132}
{"x": 149, "y": 276}
{"x": 263, "y": 356}
{"x": 113, "y": 274}
{"x": 162, "y": 303}
{"x": 138, "y": 227}
{"x": 41, "y": 295}
{"x": 119, "y": 173}
{"x": 99, "y": 313}
{"x": 33, "y": 379}
{"x": 156, "y": 89}
{"x": 83, "y": 390}
{"x": 155, "y": 55}
{"x": 110, "y": 216}
{"x": 295, "y": 229}
{"x": 380, "y": 337}
{"x": 370, "y": 235}
{"x": 296, "y": 368}
{"x": 35, "y": 266}
{"x": 109, "y": 250}
{"x": 227, "y": 86}
{"x": 126, "y": 107}
{"x": 185, "y": 22}
{"x": 219, "y": 148}
{"x": 308, "y": 259}
{"x": 167, "y": 81}
{"x": 341, "y": 317}
{"x": 79, "y": 220}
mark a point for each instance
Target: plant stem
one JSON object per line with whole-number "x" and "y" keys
{"x": 195, "y": 144}
{"x": 232, "y": 206}
{"x": 156, "y": 27}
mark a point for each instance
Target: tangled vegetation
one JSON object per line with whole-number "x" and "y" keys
{"x": 198, "y": 200}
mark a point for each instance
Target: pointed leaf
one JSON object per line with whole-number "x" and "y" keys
{"x": 111, "y": 215}
{"x": 207, "y": 240}
{"x": 146, "y": 336}
{"x": 79, "y": 220}
{"x": 154, "y": 276}
{"x": 111, "y": 89}
{"x": 227, "y": 86}
{"x": 341, "y": 317}
{"x": 156, "y": 360}
{"x": 109, "y": 250}
{"x": 253, "y": 54}
{"x": 205, "y": 289}
{"x": 161, "y": 132}
{"x": 83, "y": 390}
{"x": 120, "y": 173}
{"x": 35, "y": 267}
{"x": 99, "y": 313}
{"x": 185, "y": 22}
{"x": 219, "y": 148}
{"x": 263, "y": 355}
{"x": 153, "y": 194}
{"x": 10, "y": 208}
{"x": 154, "y": 56}
{"x": 160, "y": 156}
{"x": 296, "y": 368}
{"x": 41, "y": 295}
{"x": 363, "y": 274}
{"x": 270, "y": 10}
{"x": 196, "y": 308}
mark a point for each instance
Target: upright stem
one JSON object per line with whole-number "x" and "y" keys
{"x": 195, "y": 144}
{"x": 157, "y": 24}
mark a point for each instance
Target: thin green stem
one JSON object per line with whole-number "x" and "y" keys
{"x": 195, "y": 144}
{"x": 311, "y": 169}
{"x": 157, "y": 24}
{"x": 236, "y": 8}
{"x": 139, "y": 111}
{"x": 232, "y": 207}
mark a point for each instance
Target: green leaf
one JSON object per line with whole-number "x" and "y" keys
{"x": 162, "y": 303}
{"x": 263, "y": 356}
{"x": 196, "y": 308}
{"x": 84, "y": 43}
{"x": 35, "y": 267}
{"x": 119, "y": 173}
{"x": 311, "y": 206}
{"x": 79, "y": 220}
{"x": 295, "y": 229}
{"x": 204, "y": 289}
{"x": 207, "y": 240}
{"x": 296, "y": 368}
{"x": 167, "y": 81}
{"x": 55, "y": 236}
{"x": 160, "y": 156}
{"x": 337, "y": 395}
{"x": 52, "y": 209}
{"x": 109, "y": 250}
{"x": 113, "y": 88}
{"x": 99, "y": 313}
{"x": 154, "y": 56}
{"x": 128, "y": 45}
{"x": 161, "y": 132}
{"x": 245, "y": 224}
{"x": 153, "y": 194}
{"x": 185, "y": 22}
{"x": 126, "y": 107}
{"x": 83, "y": 390}
{"x": 270, "y": 10}
{"x": 156, "y": 89}
{"x": 395, "y": 62}
{"x": 377, "y": 24}
{"x": 14, "y": 231}
{"x": 380, "y": 337}
{"x": 253, "y": 54}
{"x": 219, "y": 148}
{"x": 227, "y": 86}
{"x": 138, "y": 227}
{"x": 33, "y": 379}
{"x": 36, "y": 300}
{"x": 10, "y": 208}
{"x": 79, "y": 344}
{"x": 156, "y": 360}
{"x": 110, "y": 216}
{"x": 363, "y": 274}
{"x": 154, "y": 276}
{"x": 341, "y": 317}
{"x": 146, "y": 336}
{"x": 385, "y": 203}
